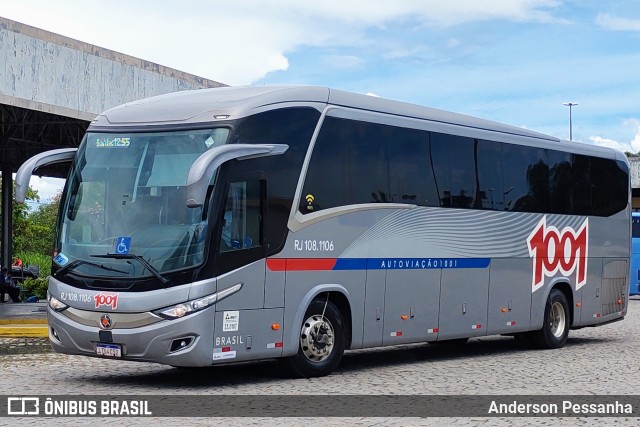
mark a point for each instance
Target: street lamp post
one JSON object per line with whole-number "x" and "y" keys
{"x": 570, "y": 105}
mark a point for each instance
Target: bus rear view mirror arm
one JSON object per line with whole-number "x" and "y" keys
{"x": 206, "y": 165}
{"x": 43, "y": 159}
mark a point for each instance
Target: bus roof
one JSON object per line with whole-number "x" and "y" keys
{"x": 228, "y": 103}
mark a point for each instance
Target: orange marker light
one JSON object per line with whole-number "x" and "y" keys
{"x": 404, "y": 317}
{"x": 275, "y": 326}
{"x": 578, "y": 304}
{"x": 619, "y": 301}
{"x": 504, "y": 310}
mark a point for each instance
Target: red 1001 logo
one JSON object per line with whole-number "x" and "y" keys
{"x": 553, "y": 250}
{"x": 110, "y": 300}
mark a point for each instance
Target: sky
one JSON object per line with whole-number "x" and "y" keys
{"x": 511, "y": 61}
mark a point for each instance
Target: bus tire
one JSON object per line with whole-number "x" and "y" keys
{"x": 555, "y": 328}
{"x": 321, "y": 342}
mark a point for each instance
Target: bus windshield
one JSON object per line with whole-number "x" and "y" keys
{"x": 124, "y": 212}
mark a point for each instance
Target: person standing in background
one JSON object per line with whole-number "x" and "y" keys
{"x": 3, "y": 287}
{"x": 9, "y": 286}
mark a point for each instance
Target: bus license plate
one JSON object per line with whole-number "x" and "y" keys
{"x": 109, "y": 350}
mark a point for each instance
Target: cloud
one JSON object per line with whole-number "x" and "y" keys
{"x": 241, "y": 42}
{"x": 400, "y": 50}
{"x": 610, "y": 143}
{"x": 617, "y": 24}
{"x": 47, "y": 187}
{"x": 342, "y": 62}
{"x": 632, "y": 146}
{"x": 635, "y": 142}
{"x": 453, "y": 42}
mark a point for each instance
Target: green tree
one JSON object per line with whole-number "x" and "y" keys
{"x": 20, "y": 216}
{"x": 33, "y": 231}
{"x": 21, "y": 228}
{"x": 41, "y": 226}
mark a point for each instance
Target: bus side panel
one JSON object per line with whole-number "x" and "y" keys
{"x": 615, "y": 288}
{"x": 509, "y": 296}
{"x": 374, "y": 308}
{"x": 247, "y": 335}
{"x": 251, "y": 295}
{"x": 607, "y": 300}
{"x": 590, "y": 297}
{"x": 463, "y": 303}
{"x": 274, "y": 288}
{"x": 538, "y": 303}
{"x": 411, "y": 306}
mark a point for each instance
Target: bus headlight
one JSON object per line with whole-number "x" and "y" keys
{"x": 180, "y": 310}
{"x": 55, "y": 304}
{"x": 175, "y": 311}
{"x": 185, "y": 308}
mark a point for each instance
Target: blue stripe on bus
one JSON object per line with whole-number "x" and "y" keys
{"x": 409, "y": 263}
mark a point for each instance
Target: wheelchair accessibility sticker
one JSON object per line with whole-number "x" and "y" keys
{"x": 61, "y": 259}
{"x": 122, "y": 245}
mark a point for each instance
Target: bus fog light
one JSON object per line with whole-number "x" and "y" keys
{"x": 54, "y": 334}
{"x": 181, "y": 343}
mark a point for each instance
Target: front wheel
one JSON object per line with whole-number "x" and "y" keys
{"x": 322, "y": 341}
{"x": 555, "y": 329}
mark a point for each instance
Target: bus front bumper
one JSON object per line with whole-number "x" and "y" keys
{"x": 181, "y": 342}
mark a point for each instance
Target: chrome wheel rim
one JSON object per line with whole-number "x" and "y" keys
{"x": 557, "y": 320}
{"x": 317, "y": 338}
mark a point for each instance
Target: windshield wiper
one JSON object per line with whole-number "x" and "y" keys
{"x": 138, "y": 258}
{"x": 74, "y": 264}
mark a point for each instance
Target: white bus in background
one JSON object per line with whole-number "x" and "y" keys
{"x": 233, "y": 224}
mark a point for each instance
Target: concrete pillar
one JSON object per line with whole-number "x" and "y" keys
{"x": 7, "y": 216}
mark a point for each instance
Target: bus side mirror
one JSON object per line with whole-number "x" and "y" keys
{"x": 43, "y": 159}
{"x": 206, "y": 165}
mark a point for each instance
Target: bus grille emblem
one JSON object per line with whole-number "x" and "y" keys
{"x": 105, "y": 321}
{"x": 553, "y": 250}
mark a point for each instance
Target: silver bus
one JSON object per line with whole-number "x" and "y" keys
{"x": 233, "y": 224}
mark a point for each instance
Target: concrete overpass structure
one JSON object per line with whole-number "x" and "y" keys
{"x": 52, "y": 86}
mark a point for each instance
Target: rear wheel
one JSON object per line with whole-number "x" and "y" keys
{"x": 322, "y": 341}
{"x": 555, "y": 329}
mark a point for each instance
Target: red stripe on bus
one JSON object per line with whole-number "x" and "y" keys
{"x": 301, "y": 264}
{"x": 277, "y": 264}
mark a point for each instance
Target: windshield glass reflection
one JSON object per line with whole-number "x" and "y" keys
{"x": 126, "y": 195}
